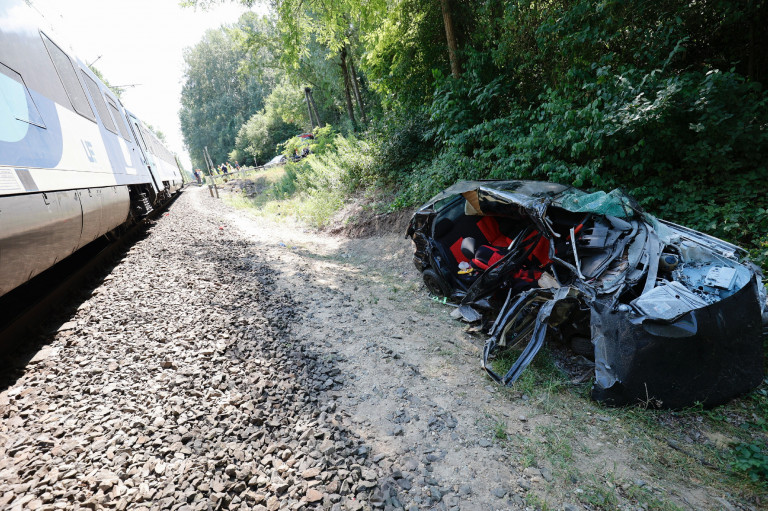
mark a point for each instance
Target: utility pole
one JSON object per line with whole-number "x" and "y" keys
{"x": 208, "y": 160}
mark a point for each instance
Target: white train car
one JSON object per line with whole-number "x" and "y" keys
{"x": 74, "y": 164}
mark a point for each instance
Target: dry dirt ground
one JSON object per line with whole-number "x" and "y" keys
{"x": 416, "y": 391}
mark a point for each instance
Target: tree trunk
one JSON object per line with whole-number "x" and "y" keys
{"x": 347, "y": 94}
{"x": 314, "y": 108}
{"x": 309, "y": 108}
{"x": 356, "y": 89}
{"x": 450, "y": 36}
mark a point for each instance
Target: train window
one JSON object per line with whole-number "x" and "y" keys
{"x": 68, "y": 76}
{"x": 16, "y": 101}
{"x": 118, "y": 119}
{"x": 98, "y": 100}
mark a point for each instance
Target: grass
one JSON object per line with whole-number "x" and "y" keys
{"x": 647, "y": 500}
{"x": 536, "y": 502}
{"x": 500, "y": 430}
{"x": 542, "y": 382}
{"x": 278, "y": 199}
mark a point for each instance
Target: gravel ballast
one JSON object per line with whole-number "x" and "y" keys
{"x": 174, "y": 387}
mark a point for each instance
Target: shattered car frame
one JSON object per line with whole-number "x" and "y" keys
{"x": 670, "y": 316}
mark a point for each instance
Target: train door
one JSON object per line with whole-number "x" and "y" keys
{"x": 154, "y": 171}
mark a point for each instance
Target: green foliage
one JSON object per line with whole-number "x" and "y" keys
{"x": 400, "y": 142}
{"x": 500, "y": 430}
{"x": 402, "y": 53}
{"x": 258, "y": 139}
{"x": 287, "y": 102}
{"x": 216, "y": 100}
{"x": 323, "y": 141}
{"x": 750, "y": 458}
{"x": 338, "y": 163}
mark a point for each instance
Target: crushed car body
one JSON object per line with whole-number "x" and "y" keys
{"x": 670, "y": 316}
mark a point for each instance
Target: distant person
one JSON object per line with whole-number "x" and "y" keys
{"x": 223, "y": 168}
{"x": 237, "y": 166}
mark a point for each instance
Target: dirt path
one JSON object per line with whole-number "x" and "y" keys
{"x": 411, "y": 385}
{"x": 414, "y": 390}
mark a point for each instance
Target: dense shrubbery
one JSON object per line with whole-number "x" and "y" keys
{"x": 690, "y": 147}
{"x": 336, "y": 167}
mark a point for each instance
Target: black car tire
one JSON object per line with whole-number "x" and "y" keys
{"x": 435, "y": 283}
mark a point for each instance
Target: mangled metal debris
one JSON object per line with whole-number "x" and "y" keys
{"x": 673, "y": 315}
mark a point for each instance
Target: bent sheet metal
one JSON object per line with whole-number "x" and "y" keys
{"x": 673, "y": 315}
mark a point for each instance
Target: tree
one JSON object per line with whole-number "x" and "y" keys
{"x": 216, "y": 97}
{"x": 333, "y": 25}
{"x": 450, "y": 35}
{"x": 159, "y": 134}
{"x": 402, "y": 53}
{"x": 280, "y": 119}
{"x": 347, "y": 84}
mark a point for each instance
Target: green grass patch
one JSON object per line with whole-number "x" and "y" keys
{"x": 274, "y": 193}
{"x": 541, "y": 378}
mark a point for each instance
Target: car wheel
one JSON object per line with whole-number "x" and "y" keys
{"x": 435, "y": 284}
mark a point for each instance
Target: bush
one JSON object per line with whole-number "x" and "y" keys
{"x": 749, "y": 458}
{"x": 399, "y": 143}
{"x": 692, "y": 147}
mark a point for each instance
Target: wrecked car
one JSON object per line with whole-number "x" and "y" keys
{"x": 670, "y": 316}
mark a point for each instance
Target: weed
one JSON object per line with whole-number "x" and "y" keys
{"x": 529, "y": 453}
{"x": 536, "y": 501}
{"x": 542, "y": 371}
{"x": 647, "y": 500}
{"x": 500, "y": 430}
{"x": 558, "y": 443}
{"x": 599, "y": 495}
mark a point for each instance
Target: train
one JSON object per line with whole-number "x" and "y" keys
{"x": 75, "y": 164}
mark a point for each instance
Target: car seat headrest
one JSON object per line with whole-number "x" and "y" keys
{"x": 468, "y": 247}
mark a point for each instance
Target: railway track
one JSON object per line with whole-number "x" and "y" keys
{"x": 31, "y": 309}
